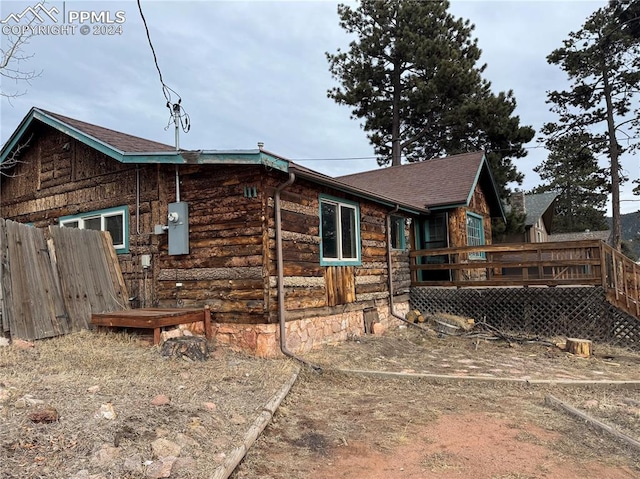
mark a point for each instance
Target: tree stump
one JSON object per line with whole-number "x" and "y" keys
{"x": 579, "y": 347}
{"x": 187, "y": 347}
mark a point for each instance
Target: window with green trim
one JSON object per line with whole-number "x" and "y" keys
{"x": 340, "y": 232}
{"x": 397, "y": 232}
{"x": 113, "y": 220}
{"x": 475, "y": 233}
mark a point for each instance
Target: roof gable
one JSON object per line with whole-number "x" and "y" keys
{"x": 439, "y": 183}
{"x": 539, "y": 205}
{"x": 127, "y": 148}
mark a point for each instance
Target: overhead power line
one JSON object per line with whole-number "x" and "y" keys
{"x": 178, "y": 114}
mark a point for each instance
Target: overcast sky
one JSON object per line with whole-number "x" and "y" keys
{"x": 255, "y": 71}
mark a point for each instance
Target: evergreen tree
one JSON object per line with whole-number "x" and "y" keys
{"x": 572, "y": 171}
{"x": 602, "y": 62}
{"x": 413, "y": 76}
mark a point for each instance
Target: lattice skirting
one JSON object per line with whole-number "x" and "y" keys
{"x": 546, "y": 312}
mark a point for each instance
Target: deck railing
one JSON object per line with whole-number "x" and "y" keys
{"x": 590, "y": 262}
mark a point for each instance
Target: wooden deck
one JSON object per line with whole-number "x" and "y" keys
{"x": 154, "y": 318}
{"x": 569, "y": 263}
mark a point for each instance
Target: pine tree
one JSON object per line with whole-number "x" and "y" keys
{"x": 602, "y": 62}
{"x": 413, "y": 76}
{"x": 572, "y": 171}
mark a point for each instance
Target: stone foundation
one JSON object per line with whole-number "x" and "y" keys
{"x": 304, "y": 334}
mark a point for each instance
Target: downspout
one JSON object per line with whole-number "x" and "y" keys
{"x": 392, "y": 308}
{"x": 280, "y": 268}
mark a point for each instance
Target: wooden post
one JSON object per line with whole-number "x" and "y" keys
{"x": 208, "y": 331}
{"x": 579, "y": 347}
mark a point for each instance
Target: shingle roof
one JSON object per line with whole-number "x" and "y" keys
{"x": 582, "y": 235}
{"x": 121, "y": 141}
{"x": 438, "y": 182}
{"x": 536, "y": 204}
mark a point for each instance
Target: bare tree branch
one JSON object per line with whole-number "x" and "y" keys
{"x": 14, "y": 158}
{"x": 12, "y": 58}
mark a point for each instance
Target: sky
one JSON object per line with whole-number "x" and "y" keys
{"x": 256, "y": 71}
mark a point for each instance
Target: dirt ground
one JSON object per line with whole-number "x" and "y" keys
{"x": 345, "y": 426}
{"x": 188, "y": 416}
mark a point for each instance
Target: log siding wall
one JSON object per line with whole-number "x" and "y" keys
{"x": 58, "y": 176}
{"x": 232, "y": 261}
{"x": 315, "y": 290}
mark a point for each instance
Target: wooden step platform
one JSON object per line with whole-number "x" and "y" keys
{"x": 154, "y": 318}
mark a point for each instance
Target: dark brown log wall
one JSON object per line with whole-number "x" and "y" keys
{"x": 312, "y": 289}
{"x": 225, "y": 266}
{"x": 232, "y": 260}
{"x": 58, "y": 176}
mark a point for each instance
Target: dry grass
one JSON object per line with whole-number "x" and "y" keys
{"x": 214, "y": 402}
{"x": 128, "y": 375}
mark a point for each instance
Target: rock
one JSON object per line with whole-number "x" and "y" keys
{"x": 4, "y": 341}
{"x": 163, "y": 447}
{"x": 170, "y": 334}
{"x": 194, "y": 348}
{"x": 46, "y": 414}
{"x": 133, "y": 464}
{"x": 22, "y": 344}
{"x": 93, "y": 389}
{"x": 161, "y": 468}
{"x": 106, "y": 411}
{"x": 209, "y": 406}
{"x": 379, "y": 328}
{"x": 184, "y": 464}
{"x": 106, "y": 455}
{"x": 31, "y": 401}
{"x": 160, "y": 400}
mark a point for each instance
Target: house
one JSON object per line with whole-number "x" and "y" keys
{"x": 459, "y": 192}
{"x": 273, "y": 248}
{"x": 538, "y": 209}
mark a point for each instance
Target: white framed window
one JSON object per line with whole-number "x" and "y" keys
{"x": 113, "y": 220}
{"x": 475, "y": 233}
{"x": 339, "y": 232}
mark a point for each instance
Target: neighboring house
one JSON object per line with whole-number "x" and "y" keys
{"x": 459, "y": 192}
{"x": 539, "y": 211}
{"x": 259, "y": 239}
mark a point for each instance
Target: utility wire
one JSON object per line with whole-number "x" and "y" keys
{"x": 177, "y": 112}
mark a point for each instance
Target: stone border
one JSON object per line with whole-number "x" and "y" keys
{"x": 625, "y": 384}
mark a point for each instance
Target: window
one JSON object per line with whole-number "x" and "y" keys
{"x": 113, "y": 220}
{"x": 340, "y": 232}
{"x": 397, "y": 232}
{"x": 475, "y": 233}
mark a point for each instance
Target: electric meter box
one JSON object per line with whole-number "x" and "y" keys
{"x": 178, "y": 228}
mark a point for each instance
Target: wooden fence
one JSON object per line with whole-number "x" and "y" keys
{"x": 570, "y": 263}
{"x": 51, "y": 286}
